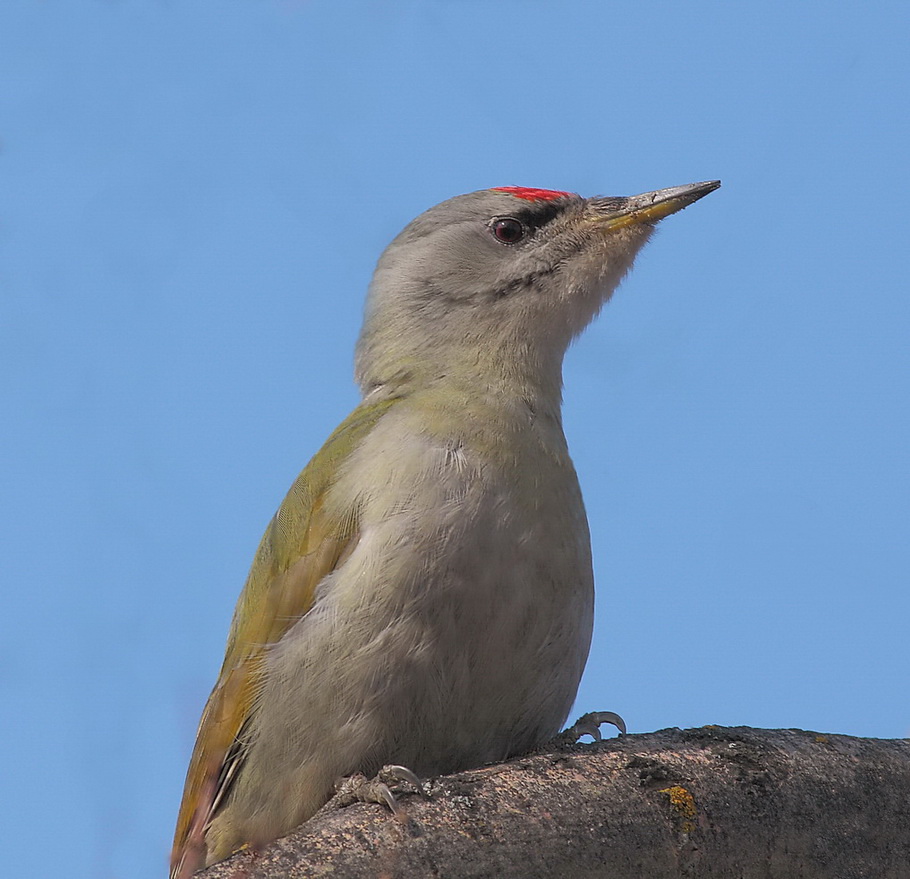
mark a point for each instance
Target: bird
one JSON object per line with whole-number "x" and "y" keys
{"x": 424, "y": 595}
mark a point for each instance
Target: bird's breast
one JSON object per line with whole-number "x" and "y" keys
{"x": 469, "y": 595}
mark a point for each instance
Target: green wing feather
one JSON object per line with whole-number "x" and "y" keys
{"x": 302, "y": 544}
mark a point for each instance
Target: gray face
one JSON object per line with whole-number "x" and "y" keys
{"x": 483, "y": 245}
{"x": 491, "y": 271}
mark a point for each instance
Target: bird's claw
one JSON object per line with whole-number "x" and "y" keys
{"x": 393, "y": 772}
{"x": 360, "y": 789}
{"x": 589, "y": 725}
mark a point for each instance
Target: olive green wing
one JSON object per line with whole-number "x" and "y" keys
{"x": 302, "y": 544}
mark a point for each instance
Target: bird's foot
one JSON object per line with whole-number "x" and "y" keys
{"x": 360, "y": 789}
{"x": 588, "y": 725}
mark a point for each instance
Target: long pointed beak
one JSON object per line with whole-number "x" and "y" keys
{"x": 649, "y": 207}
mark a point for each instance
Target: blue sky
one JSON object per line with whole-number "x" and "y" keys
{"x": 192, "y": 199}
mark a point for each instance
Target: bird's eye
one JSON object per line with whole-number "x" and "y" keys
{"x": 508, "y": 230}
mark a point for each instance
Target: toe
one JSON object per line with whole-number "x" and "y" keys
{"x": 590, "y": 723}
{"x": 395, "y": 773}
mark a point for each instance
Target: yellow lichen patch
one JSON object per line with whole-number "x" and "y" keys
{"x": 822, "y": 740}
{"x": 684, "y": 803}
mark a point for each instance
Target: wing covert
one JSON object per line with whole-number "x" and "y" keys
{"x": 302, "y": 544}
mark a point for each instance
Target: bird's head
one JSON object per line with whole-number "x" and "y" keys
{"x": 494, "y": 284}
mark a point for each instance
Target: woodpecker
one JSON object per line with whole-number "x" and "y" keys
{"x": 424, "y": 595}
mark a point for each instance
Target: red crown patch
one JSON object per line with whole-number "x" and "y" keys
{"x": 529, "y": 194}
